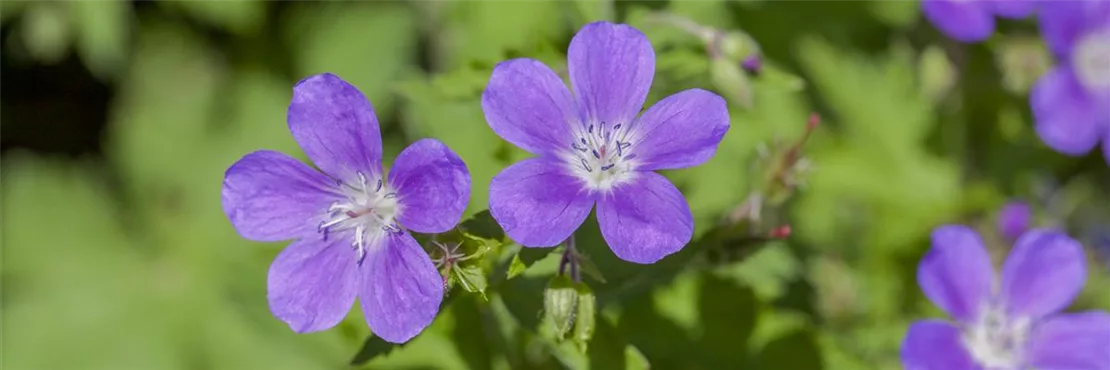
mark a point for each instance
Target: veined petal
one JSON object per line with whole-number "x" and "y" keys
{"x": 528, "y": 105}
{"x": 682, "y": 130}
{"x": 401, "y": 288}
{"x": 611, "y": 67}
{"x": 538, "y": 203}
{"x": 1066, "y": 117}
{"x": 1043, "y": 273}
{"x": 956, "y": 274}
{"x": 935, "y": 345}
{"x": 965, "y": 21}
{"x": 1072, "y": 341}
{"x": 269, "y": 196}
{"x": 432, "y": 184}
{"x": 645, "y": 219}
{"x": 312, "y": 284}
{"x": 335, "y": 126}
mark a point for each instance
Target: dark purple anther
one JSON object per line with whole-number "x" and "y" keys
{"x": 598, "y": 156}
{"x": 379, "y": 188}
{"x": 608, "y": 166}
{"x": 586, "y": 165}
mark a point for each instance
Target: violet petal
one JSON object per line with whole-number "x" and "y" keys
{"x": 538, "y": 203}
{"x": 335, "y": 126}
{"x": 432, "y": 184}
{"x": 935, "y": 345}
{"x": 682, "y": 130}
{"x": 400, "y": 290}
{"x": 1066, "y": 118}
{"x": 312, "y": 284}
{"x": 1072, "y": 341}
{"x": 1043, "y": 273}
{"x": 269, "y": 196}
{"x": 528, "y": 105}
{"x": 956, "y": 273}
{"x": 645, "y": 219}
{"x": 611, "y": 68}
{"x": 965, "y": 21}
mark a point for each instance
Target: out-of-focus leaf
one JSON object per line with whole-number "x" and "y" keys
{"x": 731, "y": 81}
{"x": 480, "y": 31}
{"x": 587, "y": 11}
{"x": 772, "y": 77}
{"x": 243, "y": 17}
{"x": 797, "y": 350}
{"x": 373, "y": 347}
{"x": 588, "y": 267}
{"x": 369, "y": 44}
{"x": 898, "y": 14}
{"x": 103, "y": 31}
{"x": 47, "y": 31}
{"x": 1022, "y": 60}
{"x": 767, "y": 271}
{"x": 936, "y": 74}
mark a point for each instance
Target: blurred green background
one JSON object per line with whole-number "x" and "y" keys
{"x": 119, "y": 119}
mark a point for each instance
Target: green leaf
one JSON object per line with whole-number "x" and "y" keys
{"x": 728, "y": 78}
{"x": 588, "y": 267}
{"x": 796, "y": 350}
{"x": 472, "y": 279}
{"x": 373, "y": 347}
{"x": 103, "y": 29}
{"x": 372, "y": 45}
{"x": 560, "y": 300}
{"x": 482, "y": 31}
{"x": 585, "y": 316}
{"x": 524, "y": 259}
{"x": 47, "y": 31}
{"x": 900, "y": 14}
{"x": 243, "y": 17}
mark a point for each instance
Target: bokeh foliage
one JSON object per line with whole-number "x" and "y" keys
{"x": 121, "y": 257}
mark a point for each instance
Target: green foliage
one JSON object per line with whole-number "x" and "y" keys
{"x": 123, "y": 259}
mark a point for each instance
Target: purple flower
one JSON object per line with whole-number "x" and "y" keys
{"x": 592, "y": 148}
{"x": 350, "y": 222}
{"x": 752, "y": 64}
{"x": 1070, "y": 102}
{"x": 1013, "y": 219}
{"x": 973, "y": 20}
{"x": 1009, "y": 323}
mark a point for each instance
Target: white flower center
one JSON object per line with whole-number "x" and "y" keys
{"x": 996, "y": 341}
{"x": 1091, "y": 60}
{"x": 601, "y": 155}
{"x": 369, "y": 208}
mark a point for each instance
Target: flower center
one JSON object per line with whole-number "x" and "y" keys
{"x": 369, "y": 208}
{"x": 601, "y": 155}
{"x": 996, "y": 341}
{"x": 1091, "y": 60}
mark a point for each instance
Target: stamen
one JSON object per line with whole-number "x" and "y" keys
{"x": 598, "y": 156}
{"x": 390, "y": 195}
{"x": 586, "y": 165}
{"x": 379, "y": 188}
{"x": 362, "y": 178}
{"x": 617, "y": 127}
{"x": 630, "y": 156}
{"x": 591, "y": 129}
{"x": 608, "y": 166}
{"x": 577, "y": 147}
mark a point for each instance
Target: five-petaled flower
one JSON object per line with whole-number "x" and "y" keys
{"x": 973, "y": 20}
{"x": 350, "y": 222}
{"x": 592, "y": 148}
{"x": 1071, "y": 103}
{"x": 1012, "y": 323}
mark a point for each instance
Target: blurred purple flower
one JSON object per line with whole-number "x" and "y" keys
{"x": 1070, "y": 102}
{"x": 1011, "y": 323}
{"x": 752, "y": 64}
{"x": 1014, "y": 219}
{"x": 973, "y": 20}
{"x": 350, "y": 221}
{"x": 593, "y": 149}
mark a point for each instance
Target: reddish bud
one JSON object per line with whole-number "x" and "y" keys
{"x": 814, "y": 120}
{"x": 781, "y": 232}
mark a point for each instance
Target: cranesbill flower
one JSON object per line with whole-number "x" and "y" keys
{"x": 592, "y": 148}
{"x": 1071, "y": 103}
{"x": 973, "y": 20}
{"x": 1014, "y": 219}
{"x": 1012, "y": 323}
{"x": 351, "y": 223}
